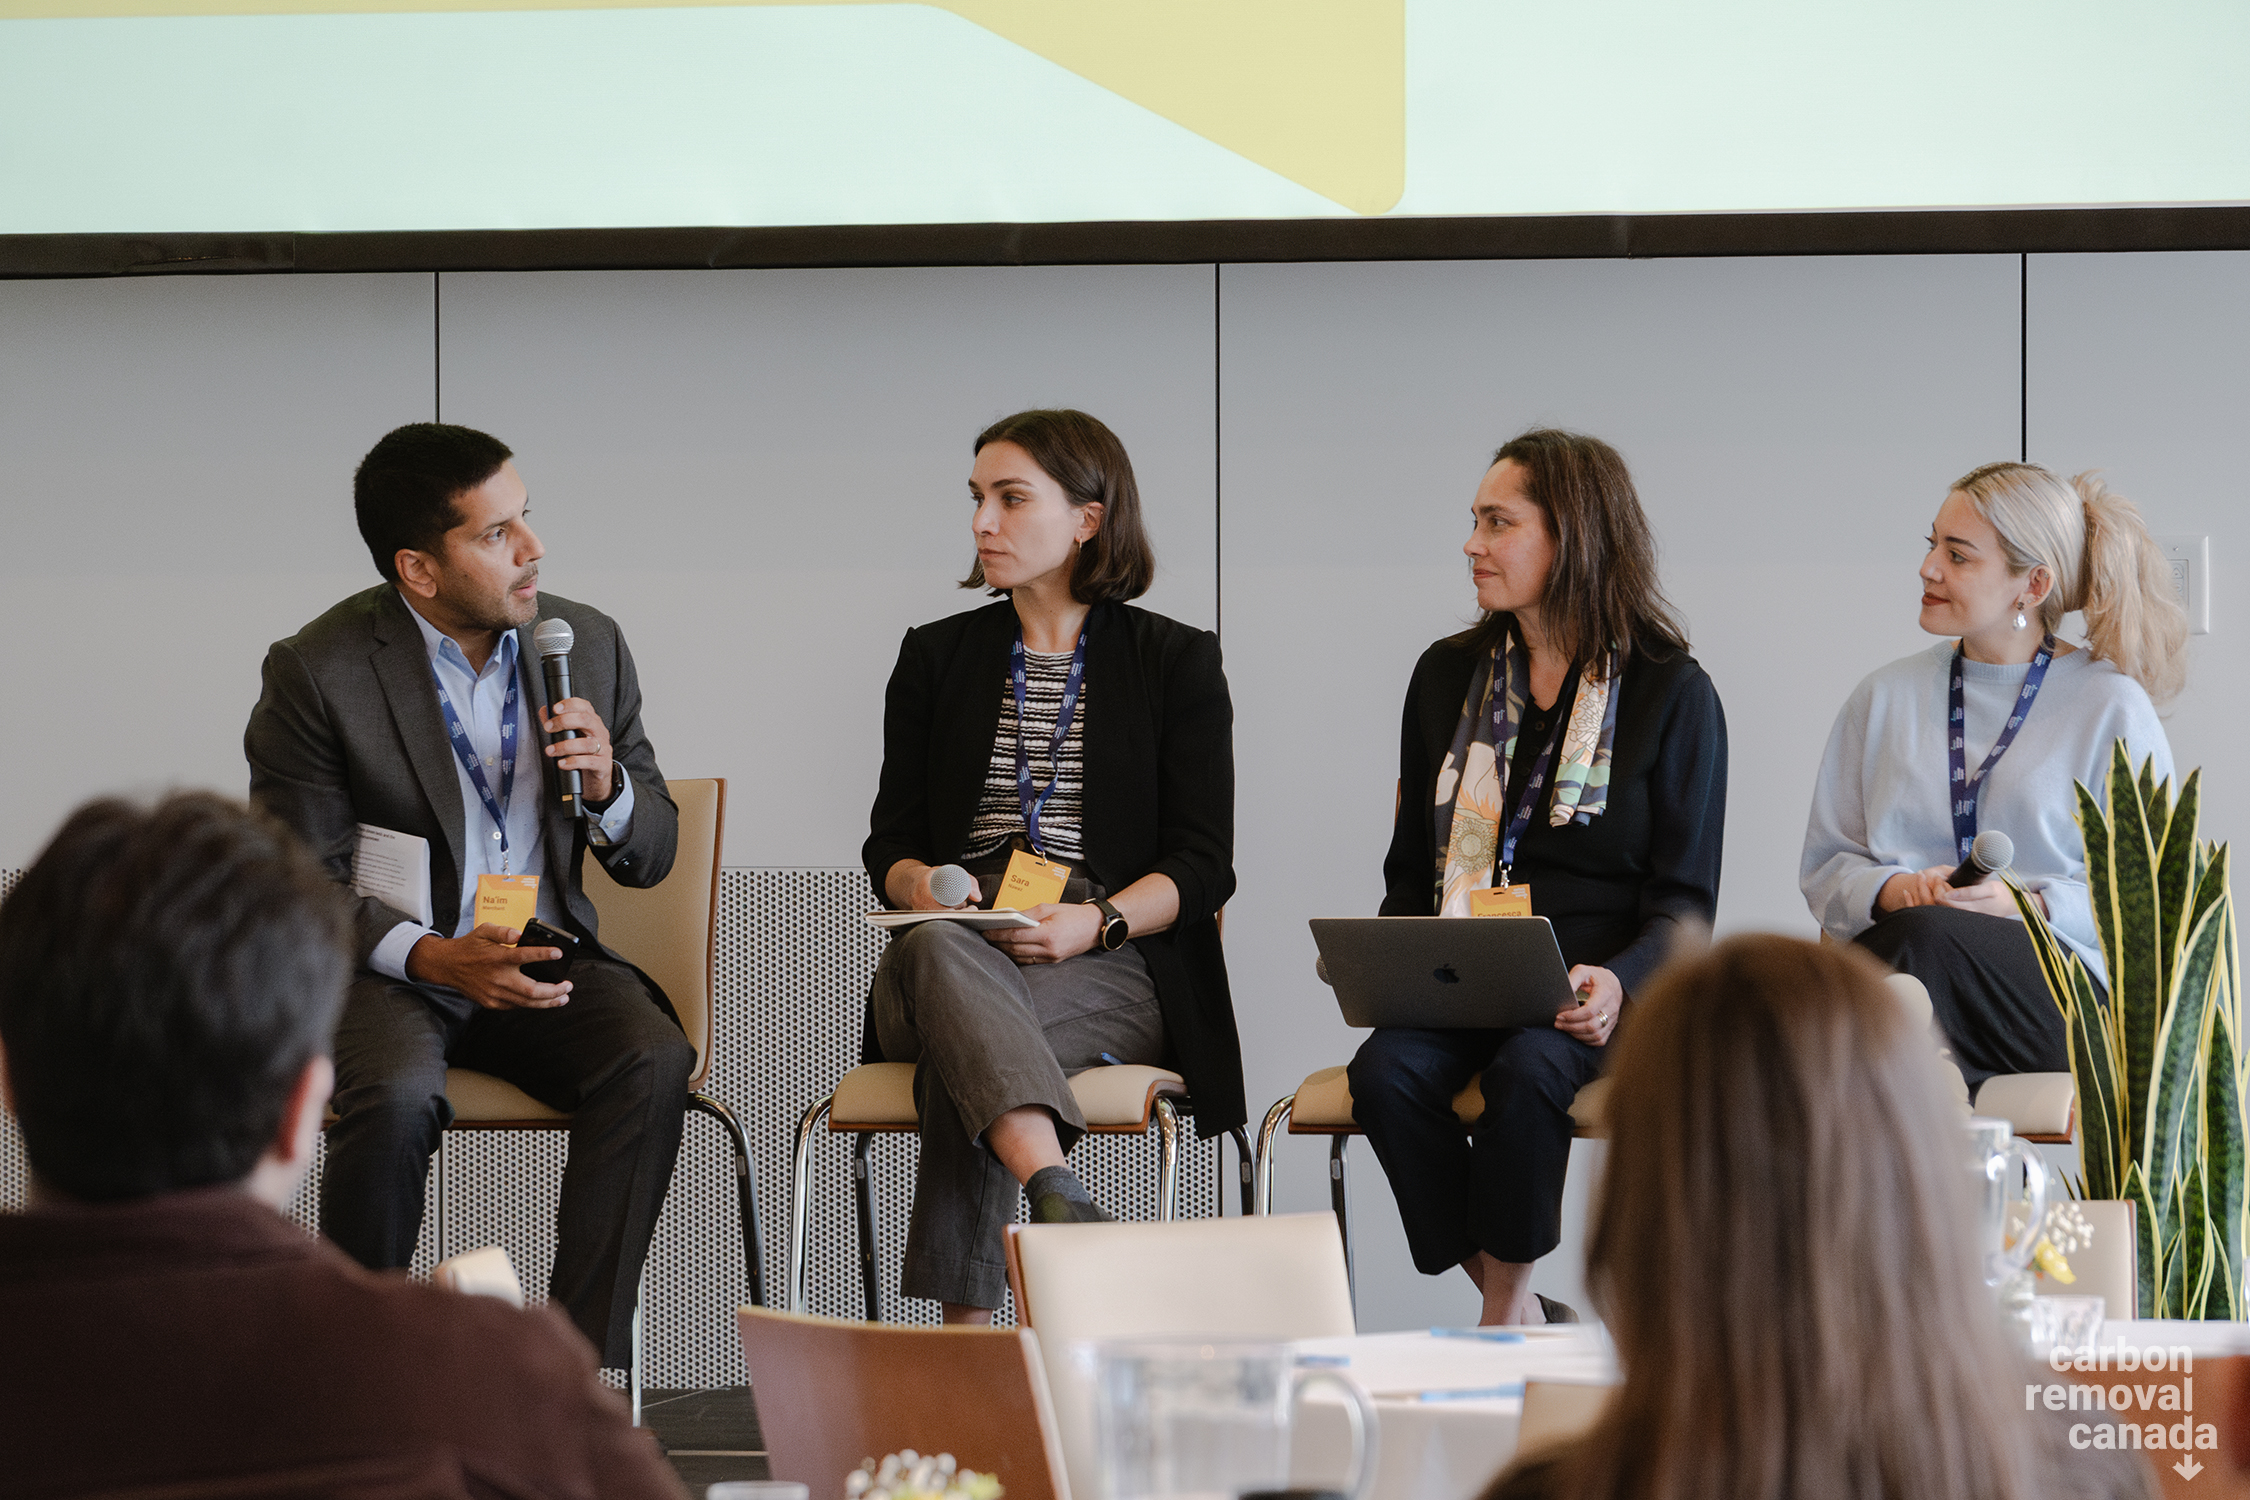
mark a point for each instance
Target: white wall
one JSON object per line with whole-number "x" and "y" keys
{"x": 2140, "y": 367}
{"x": 763, "y": 476}
{"x": 760, "y": 474}
{"x": 175, "y": 493}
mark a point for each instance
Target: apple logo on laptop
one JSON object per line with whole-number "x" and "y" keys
{"x": 1444, "y": 974}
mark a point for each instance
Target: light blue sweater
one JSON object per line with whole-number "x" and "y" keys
{"x": 1881, "y": 805}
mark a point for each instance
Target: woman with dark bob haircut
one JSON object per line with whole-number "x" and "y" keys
{"x": 1080, "y": 750}
{"x": 1783, "y": 1252}
{"x": 1565, "y": 758}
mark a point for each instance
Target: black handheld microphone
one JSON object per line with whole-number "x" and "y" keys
{"x": 553, "y": 640}
{"x": 1992, "y": 850}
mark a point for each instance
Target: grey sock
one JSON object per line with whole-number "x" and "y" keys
{"x": 1060, "y": 1181}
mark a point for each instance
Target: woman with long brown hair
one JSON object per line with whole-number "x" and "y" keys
{"x": 1564, "y": 758}
{"x": 1782, "y": 1251}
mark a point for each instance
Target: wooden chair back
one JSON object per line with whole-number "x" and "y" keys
{"x": 831, "y": 1394}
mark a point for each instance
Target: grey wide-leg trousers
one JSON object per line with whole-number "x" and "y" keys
{"x": 991, "y": 1037}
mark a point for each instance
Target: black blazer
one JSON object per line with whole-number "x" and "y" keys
{"x": 1159, "y": 744}
{"x": 1618, "y": 888}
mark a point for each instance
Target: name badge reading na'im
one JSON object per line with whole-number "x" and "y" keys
{"x": 507, "y": 900}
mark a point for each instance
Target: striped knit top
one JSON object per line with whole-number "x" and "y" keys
{"x": 1000, "y": 811}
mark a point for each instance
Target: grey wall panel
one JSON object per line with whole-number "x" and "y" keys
{"x": 2138, "y": 368}
{"x": 1791, "y": 424}
{"x": 762, "y": 475}
{"x": 175, "y": 478}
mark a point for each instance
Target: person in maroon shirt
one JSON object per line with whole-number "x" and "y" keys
{"x": 170, "y": 977}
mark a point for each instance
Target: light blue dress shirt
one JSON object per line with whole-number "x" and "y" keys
{"x": 478, "y": 698}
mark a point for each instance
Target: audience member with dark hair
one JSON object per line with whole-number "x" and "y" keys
{"x": 169, "y": 978}
{"x": 1782, "y": 1249}
{"x": 1565, "y": 758}
{"x": 1066, "y": 734}
{"x": 412, "y": 706}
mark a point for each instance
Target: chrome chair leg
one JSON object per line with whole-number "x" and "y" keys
{"x": 863, "y": 1197}
{"x": 800, "y": 1203}
{"x": 1244, "y": 1170}
{"x": 1276, "y": 1117}
{"x": 1167, "y": 1161}
{"x": 633, "y": 1377}
{"x": 746, "y": 1191}
{"x": 1339, "y": 1195}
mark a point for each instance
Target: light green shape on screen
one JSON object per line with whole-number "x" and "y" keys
{"x": 767, "y": 115}
{"x": 1653, "y": 106}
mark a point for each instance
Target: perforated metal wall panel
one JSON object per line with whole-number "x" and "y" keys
{"x": 794, "y": 962}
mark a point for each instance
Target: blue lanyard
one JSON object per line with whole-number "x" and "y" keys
{"x": 1063, "y": 717}
{"x": 1502, "y": 732}
{"x": 1968, "y": 791}
{"x": 459, "y": 735}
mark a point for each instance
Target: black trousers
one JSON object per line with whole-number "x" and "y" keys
{"x": 1985, "y": 986}
{"x": 611, "y": 1058}
{"x": 1498, "y": 1188}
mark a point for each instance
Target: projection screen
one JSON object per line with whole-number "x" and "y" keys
{"x": 156, "y": 116}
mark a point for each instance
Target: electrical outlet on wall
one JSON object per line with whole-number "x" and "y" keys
{"x": 2190, "y": 559}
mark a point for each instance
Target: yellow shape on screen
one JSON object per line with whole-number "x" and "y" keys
{"x": 1314, "y": 90}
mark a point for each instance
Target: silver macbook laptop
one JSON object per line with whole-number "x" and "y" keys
{"x": 1444, "y": 971}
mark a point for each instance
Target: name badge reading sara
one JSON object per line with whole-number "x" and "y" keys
{"x": 1030, "y": 881}
{"x": 1512, "y": 901}
{"x": 507, "y": 900}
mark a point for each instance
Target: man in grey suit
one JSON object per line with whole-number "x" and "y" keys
{"x": 404, "y": 707}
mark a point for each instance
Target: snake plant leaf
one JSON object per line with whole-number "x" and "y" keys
{"x": 2175, "y": 1117}
{"x": 2093, "y": 823}
{"x": 2223, "y": 1166}
{"x": 2156, "y": 795}
{"x": 2145, "y": 1232}
{"x": 2093, "y": 1062}
{"x": 2133, "y": 969}
{"x": 2176, "y": 876}
{"x": 2195, "y": 1243}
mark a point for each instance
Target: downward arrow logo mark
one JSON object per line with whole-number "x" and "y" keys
{"x": 2187, "y": 1468}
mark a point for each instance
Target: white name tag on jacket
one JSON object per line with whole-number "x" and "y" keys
{"x": 393, "y": 868}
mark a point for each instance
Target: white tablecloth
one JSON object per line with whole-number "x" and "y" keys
{"x": 1448, "y": 1407}
{"x": 1437, "y": 1444}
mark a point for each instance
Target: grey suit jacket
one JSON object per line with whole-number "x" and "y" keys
{"x": 347, "y": 731}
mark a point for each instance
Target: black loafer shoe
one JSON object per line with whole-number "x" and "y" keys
{"x": 1557, "y": 1312}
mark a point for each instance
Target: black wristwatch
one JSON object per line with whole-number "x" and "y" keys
{"x": 1114, "y": 930}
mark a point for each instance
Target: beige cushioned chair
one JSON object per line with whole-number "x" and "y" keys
{"x": 878, "y": 1099}
{"x": 669, "y": 931}
{"x": 1278, "y": 1276}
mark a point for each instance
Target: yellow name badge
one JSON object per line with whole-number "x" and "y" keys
{"x": 1030, "y": 881}
{"x": 1515, "y": 901}
{"x": 507, "y": 900}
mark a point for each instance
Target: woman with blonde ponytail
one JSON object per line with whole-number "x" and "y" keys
{"x": 1988, "y": 730}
